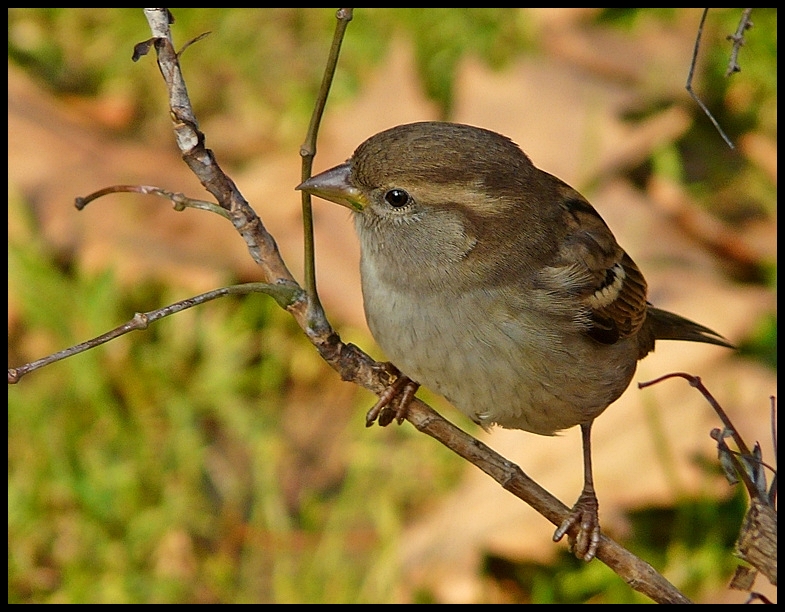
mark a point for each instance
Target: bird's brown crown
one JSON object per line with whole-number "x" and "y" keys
{"x": 439, "y": 152}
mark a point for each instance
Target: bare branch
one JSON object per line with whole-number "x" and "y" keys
{"x": 695, "y": 97}
{"x": 757, "y": 542}
{"x": 696, "y": 382}
{"x": 180, "y": 200}
{"x": 285, "y": 293}
{"x": 307, "y": 151}
{"x": 201, "y": 160}
{"x": 738, "y": 41}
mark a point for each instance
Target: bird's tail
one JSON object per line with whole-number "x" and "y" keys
{"x": 669, "y": 326}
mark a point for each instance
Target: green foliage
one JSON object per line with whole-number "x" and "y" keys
{"x": 762, "y": 344}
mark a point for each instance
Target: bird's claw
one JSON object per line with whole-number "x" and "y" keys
{"x": 584, "y": 515}
{"x": 393, "y": 403}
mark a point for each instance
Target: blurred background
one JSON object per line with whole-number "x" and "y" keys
{"x": 214, "y": 457}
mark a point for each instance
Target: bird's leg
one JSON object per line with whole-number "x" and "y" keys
{"x": 394, "y": 401}
{"x": 585, "y": 512}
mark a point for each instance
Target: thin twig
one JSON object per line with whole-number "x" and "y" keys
{"x": 180, "y": 200}
{"x": 315, "y": 312}
{"x": 744, "y": 451}
{"x": 738, "y": 41}
{"x": 689, "y": 82}
{"x": 284, "y": 293}
{"x": 696, "y": 382}
{"x": 757, "y": 541}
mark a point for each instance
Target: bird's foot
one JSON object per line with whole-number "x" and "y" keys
{"x": 584, "y": 515}
{"x": 394, "y": 401}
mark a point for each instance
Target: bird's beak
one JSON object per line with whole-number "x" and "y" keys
{"x": 333, "y": 185}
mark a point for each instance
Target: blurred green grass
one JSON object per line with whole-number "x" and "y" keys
{"x": 180, "y": 464}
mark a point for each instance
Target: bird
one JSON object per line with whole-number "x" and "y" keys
{"x": 498, "y": 286}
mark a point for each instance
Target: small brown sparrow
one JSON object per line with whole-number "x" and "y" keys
{"x": 497, "y": 285}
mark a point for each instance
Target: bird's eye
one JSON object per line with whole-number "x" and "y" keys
{"x": 397, "y": 198}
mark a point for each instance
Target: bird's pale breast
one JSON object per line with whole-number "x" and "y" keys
{"x": 496, "y": 366}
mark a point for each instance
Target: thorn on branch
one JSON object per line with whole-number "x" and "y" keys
{"x": 141, "y": 49}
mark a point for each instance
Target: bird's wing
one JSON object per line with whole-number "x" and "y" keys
{"x": 595, "y": 270}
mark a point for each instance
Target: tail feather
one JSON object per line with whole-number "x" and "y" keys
{"x": 668, "y": 326}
